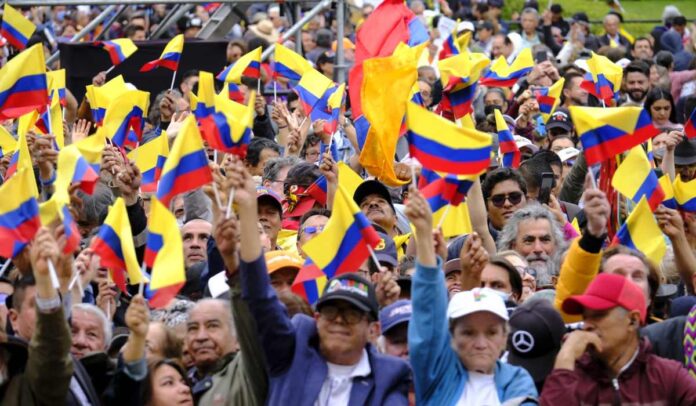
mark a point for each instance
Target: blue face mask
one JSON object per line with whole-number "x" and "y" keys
{"x": 503, "y": 295}
{"x": 60, "y": 15}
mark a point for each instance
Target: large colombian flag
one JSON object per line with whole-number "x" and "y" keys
{"x": 312, "y": 88}
{"x": 124, "y": 115}
{"x": 440, "y": 145}
{"x": 341, "y": 248}
{"x": 503, "y": 75}
{"x": 23, "y": 84}
{"x": 635, "y": 179}
{"x": 186, "y": 167}
{"x": 164, "y": 255}
{"x": 605, "y": 132}
{"x": 16, "y": 28}
{"x": 170, "y": 56}
{"x": 248, "y": 65}
{"x": 114, "y": 243}
{"x": 641, "y": 232}
{"x": 19, "y": 213}
{"x": 460, "y": 75}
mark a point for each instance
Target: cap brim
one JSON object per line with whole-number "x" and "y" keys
{"x": 386, "y": 259}
{"x": 538, "y": 367}
{"x": 564, "y": 126}
{"x": 686, "y": 160}
{"x": 576, "y": 304}
{"x": 466, "y": 312}
{"x": 372, "y": 187}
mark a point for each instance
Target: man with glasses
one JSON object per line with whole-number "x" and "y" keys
{"x": 504, "y": 192}
{"x": 275, "y": 172}
{"x": 323, "y": 360}
{"x": 311, "y": 224}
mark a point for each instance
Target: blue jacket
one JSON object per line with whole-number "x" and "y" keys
{"x": 297, "y": 370}
{"x": 439, "y": 375}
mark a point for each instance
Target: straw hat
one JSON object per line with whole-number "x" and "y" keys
{"x": 264, "y": 29}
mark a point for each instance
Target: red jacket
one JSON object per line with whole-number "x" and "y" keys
{"x": 649, "y": 380}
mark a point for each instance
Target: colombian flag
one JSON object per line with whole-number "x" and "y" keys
{"x": 605, "y": 132}
{"x": 311, "y": 89}
{"x": 23, "y": 84}
{"x": 635, "y": 179}
{"x": 114, "y": 243}
{"x": 318, "y": 190}
{"x": 150, "y": 158}
{"x": 16, "y": 28}
{"x": 20, "y": 159}
{"x": 454, "y": 44}
{"x": 19, "y": 213}
{"x": 235, "y": 93}
{"x": 440, "y": 145}
{"x": 548, "y": 98}
{"x": 690, "y": 126}
{"x": 170, "y": 56}
{"x": 335, "y": 102}
{"x": 74, "y": 168}
{"x": 668, "y": 189}
{"x": 45, "y": 122}
{"x": 248, "y": 65}
{"x": 119, "y": 49}
{"x": 604, "y": 77}
{"x": 125, "y": 114}
{"x": 641, "y": 232}
{"x": 7, "y": 142}
{"x": 288, "y": 64}
{"x": 72, "y": 234}
{"x": 91, "y": 149}
{"x": 446, "y": 189}
{"x": 164, "y": 255}
{"x": 309, "y": 282}
{"x": 460, "y": 75}
{"x": 503, "y": 75}
{"x": 685, "y": 194}
{"x": 100, "y": 97}
{"x": 231, "y": 132}
{"x": 343, "y": 245}
{"x": 506, "y": 142}
{"x": 56, "y": 83}
{"x": 186, "y": 167}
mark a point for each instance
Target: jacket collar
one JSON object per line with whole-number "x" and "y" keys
{"x": 596, "y": 368}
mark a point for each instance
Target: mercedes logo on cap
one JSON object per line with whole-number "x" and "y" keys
{"x": 522, "y": 341}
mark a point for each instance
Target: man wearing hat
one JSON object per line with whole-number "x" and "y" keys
{"x": 376, "y": 203}
{"x": 607, "y": 362}
{"x": 270, "y": 213}
{"x": 560, "y": 123}
{"x": 322, "y": 360}
{"x": 536, "y": 330}
{"x": 685, "y": 159}
{"x": 283, "y": 267}
{"x": 394, "y": 322}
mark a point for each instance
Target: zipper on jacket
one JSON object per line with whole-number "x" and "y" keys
{"x": 617, "y": 394}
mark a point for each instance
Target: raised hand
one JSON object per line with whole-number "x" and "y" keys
{"x": 386, "y": 288}
{"x": 597, "y": 209}
{"x": 128, "y": 182}
{"x": 80, "y": 130}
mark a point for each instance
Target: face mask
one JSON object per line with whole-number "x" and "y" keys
{"x": 60, "y": 16}
{"x": 503, "y": 295}
{"x": 180, "y": 221}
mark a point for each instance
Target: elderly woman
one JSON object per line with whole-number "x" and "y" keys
{"x": 454, "y": 349}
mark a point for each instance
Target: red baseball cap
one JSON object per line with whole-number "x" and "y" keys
{"x": 606, "y": 292}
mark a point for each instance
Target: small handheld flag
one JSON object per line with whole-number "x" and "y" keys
{"x": 548, "y": 98}
{"x": 248, "y": 65}
{"x": 19, "y": 213}
{"x": 119, "y": 49}
{"x": 506, "y": 142}
{"x": 16, "y": 28}
{"x": 503, "y": 75}
{"x": 23, "y": 84}
{"x": 170, "y": 56}
{"x": 641, "y": 232}
{"x": 635, "y": 179}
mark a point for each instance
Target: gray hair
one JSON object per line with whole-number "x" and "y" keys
{"x": 610, "y": 16}
{"x": 99, "y": 313}
{"x": 96, "y": 205}
{"x": 225, "y": 304}
{"x": 669, "y": 13}
{"x": 275, "y": 165}
{"x": 530, "y": 10}
{"x": 534, "y": 211}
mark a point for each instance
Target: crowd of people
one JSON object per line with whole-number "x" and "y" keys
{"x": 533, "y": 304}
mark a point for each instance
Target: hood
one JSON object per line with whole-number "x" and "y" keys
{"x": 671, "y": 41}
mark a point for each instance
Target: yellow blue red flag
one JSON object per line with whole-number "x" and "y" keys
{"x": 16, "y": 28}
{"x": 641, "y": 232}
{"x": 23, "y": 84}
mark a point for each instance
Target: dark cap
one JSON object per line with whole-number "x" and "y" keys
{"x": 556, "y": 8}
{"x": 496, "y": 3}
{"x": 353, "y": 289}
{"x": 386, "y": 248}
{"x": 372, "y": 187}
{"x": 531, "y": 4}
{"x": 580, "y": 17}
{"x": 484, "y": 25}
{"x": 560, "y": 119}
{"x": 536, "y": 330}
{"x": 453, "y": 265}
{"x": 267, "y": 195}
{"x": 685, "y": 152}
{"x": 396, "y": 313}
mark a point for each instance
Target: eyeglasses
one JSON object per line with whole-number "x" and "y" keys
{"x": 499, "y": 200}
{"x": 312, "y": 229}
{"x": 348, "y": 314}
{"x": 524, "y": 270}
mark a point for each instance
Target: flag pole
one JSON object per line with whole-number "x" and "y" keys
{"x": 141, "y": 286}
{"x": 173, "y": 80}
{"x": 229, "y": 203}
{"x": 275, "y": 92}
{"x": 53, "y": 275}
{"x": 444, "y": 216}
{"x": 109, "y": 70}
{"x": 5, "y": 266}
{"x": 374, "y": 257}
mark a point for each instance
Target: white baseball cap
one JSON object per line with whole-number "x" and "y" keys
{"x": 568, "y": 153}
{"x": 476, "y": 300}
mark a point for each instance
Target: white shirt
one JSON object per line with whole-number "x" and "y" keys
{"x": 479, "y": 390}
{"x": 339, "y": 381}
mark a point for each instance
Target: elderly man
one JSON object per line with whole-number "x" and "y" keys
{"x": 606, "y": 362}
{"x": 612, "y": 28}
{"x": 529, "y": 21}
{"x": 91, "y": 330}
{"x": 275, "y": 172}
{"x": 534, "y": 233}
{"x": 195, "y": 235}
{"x": 326, "y": 359}
{"x": 375, "y": 202}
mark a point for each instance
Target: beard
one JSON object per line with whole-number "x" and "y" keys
{"x": 637, "y": 94}
{"x": 546, "y": 268}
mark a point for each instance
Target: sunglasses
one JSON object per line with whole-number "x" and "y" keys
{"x": 348, "y": 314}
{"x": 524, "y": 270}
{"x": 499, "y": 200}
{"x": 312, "y": 229}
